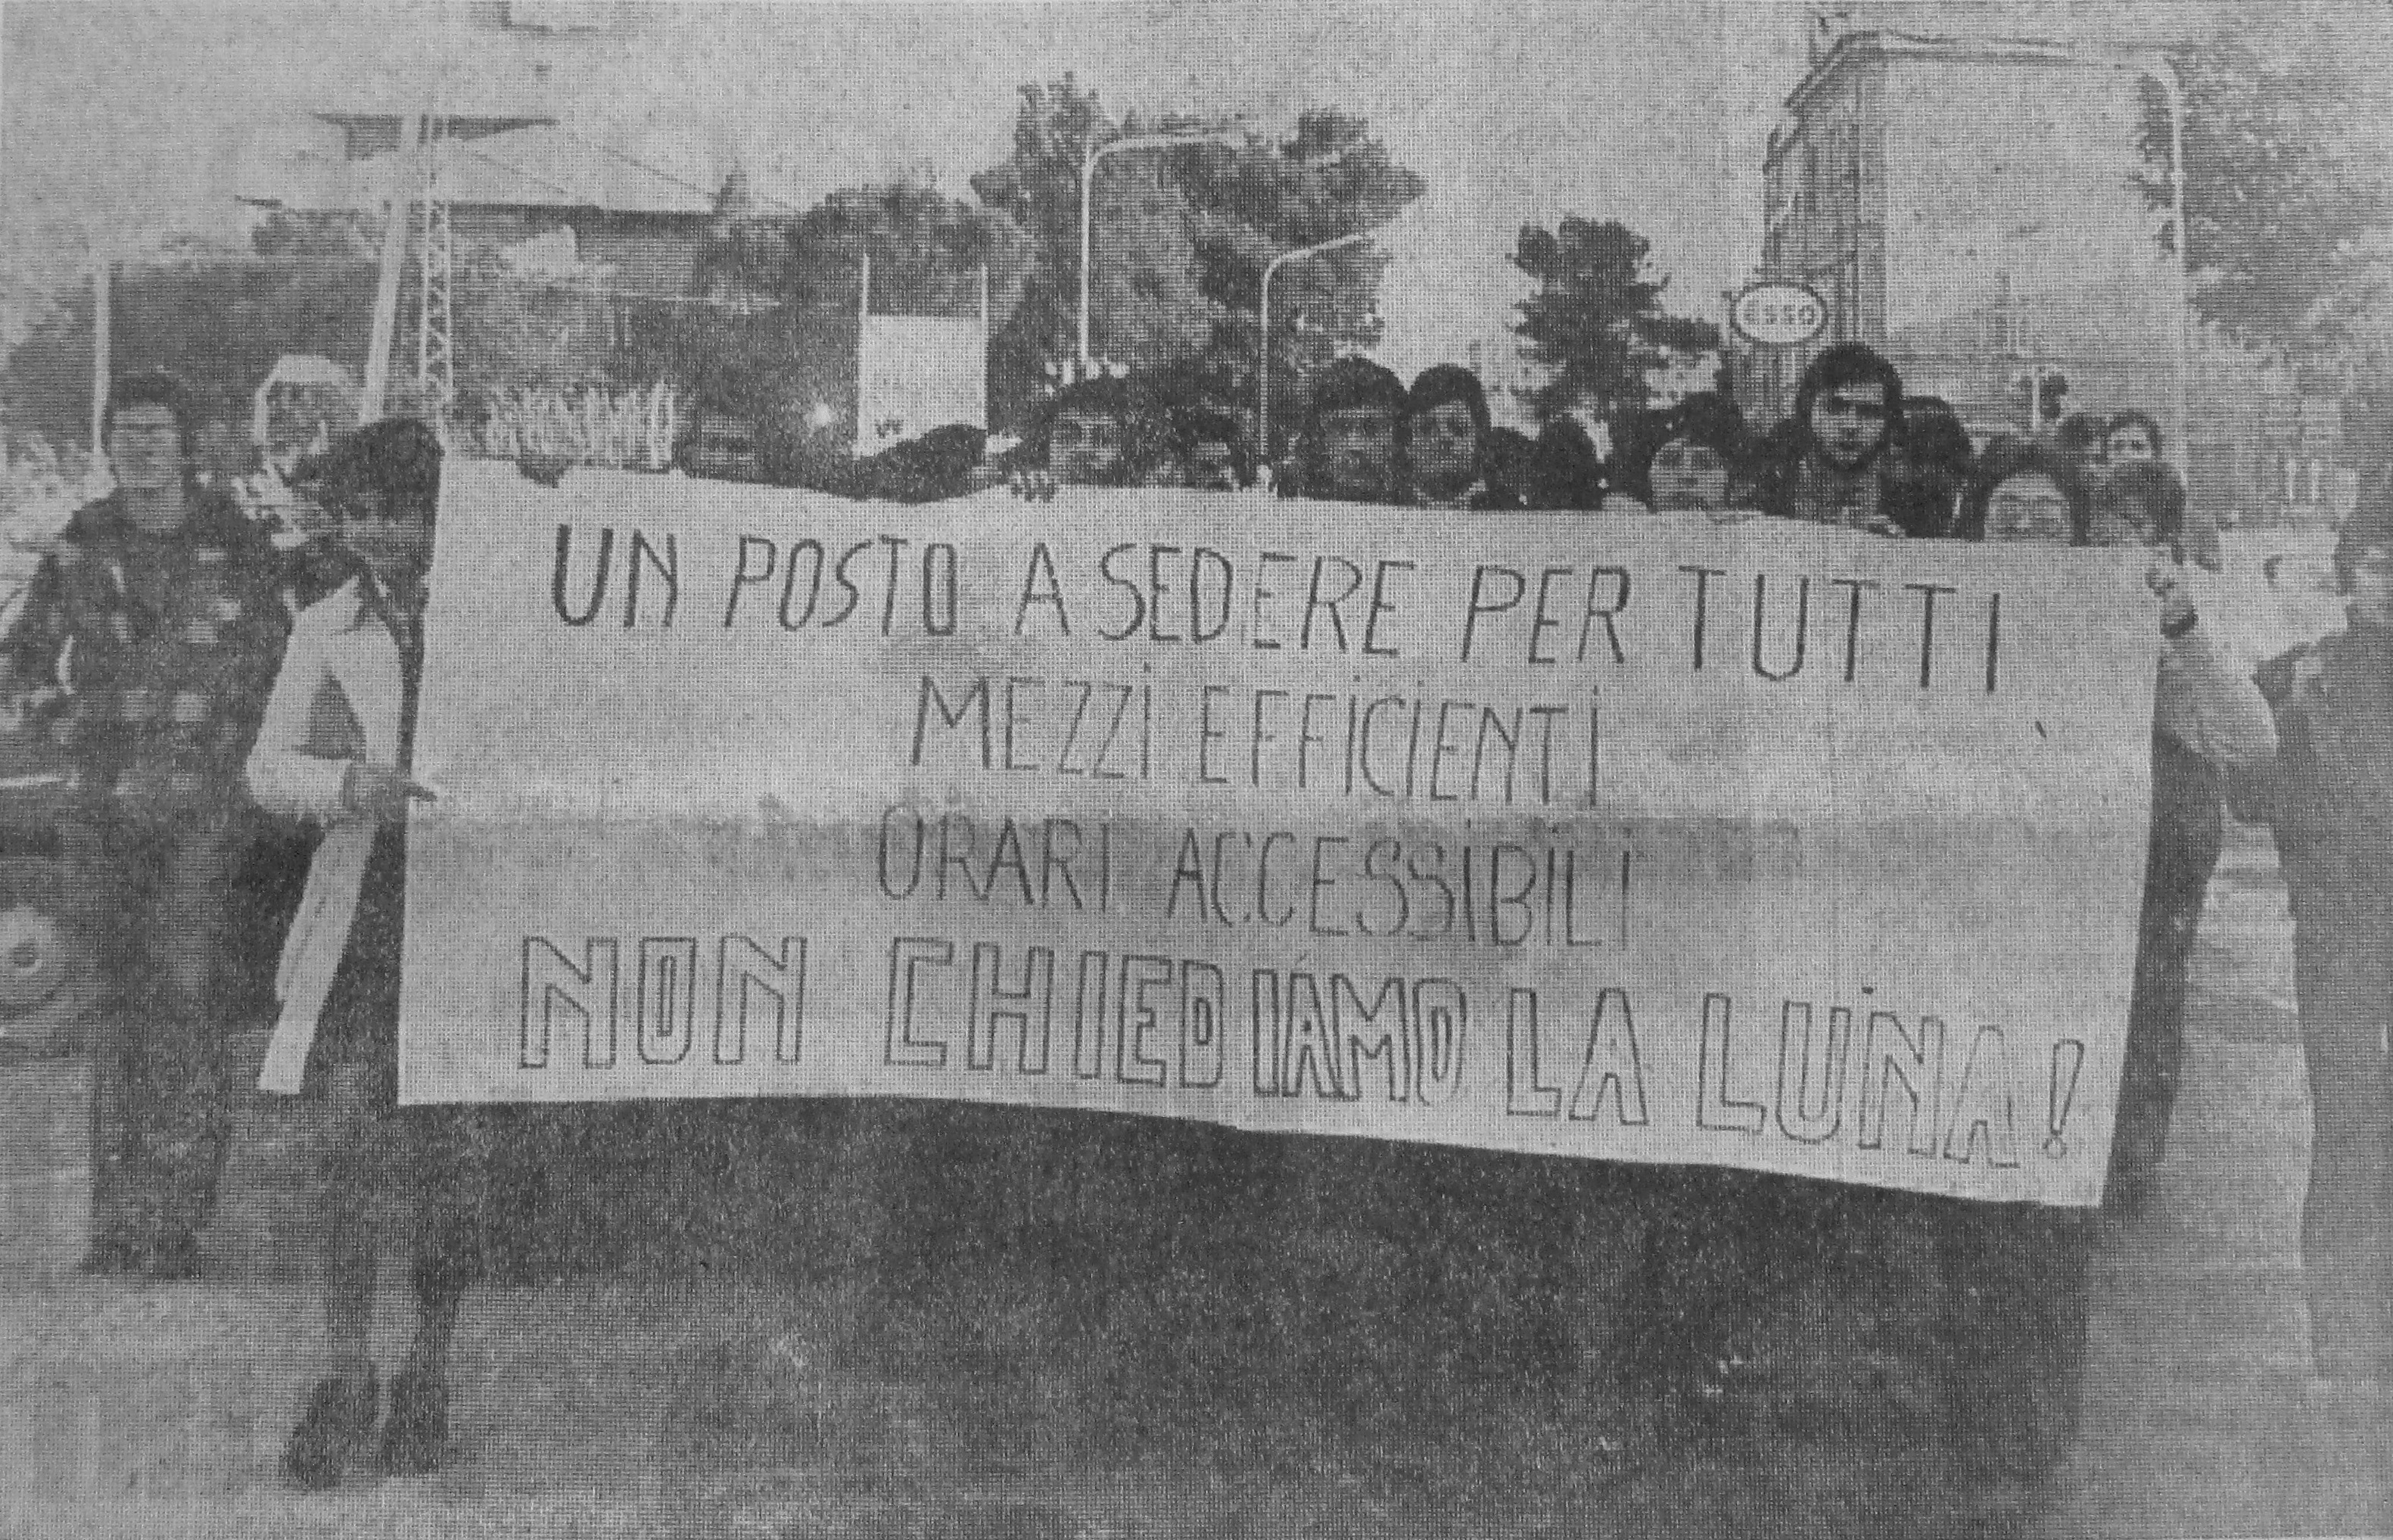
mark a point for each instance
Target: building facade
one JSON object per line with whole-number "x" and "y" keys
{"x": 1975, "y": 209}
{"x": 1971, "y": 209}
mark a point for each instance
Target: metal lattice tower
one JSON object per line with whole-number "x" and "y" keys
{"x": 435, "y": 352}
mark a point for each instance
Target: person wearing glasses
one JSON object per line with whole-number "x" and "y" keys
{"x": 148, "y": 637}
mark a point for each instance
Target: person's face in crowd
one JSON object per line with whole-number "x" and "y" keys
{"x": 396, "y": 547}
{"x": 2129, "y": 443}
{"x": 2122, "y": 521}
{"x": 2028, "y": 507}
{"x": 1848, "y": 423}
{"x": 2370, "y": 597}
{"x": 1688, "y": 475}
{"x": 1084, "y": 449}
{"x": 1212, "y": 468}
{"x": 2093, "y": 473}
{"x": 145, "y": 449}
{"x": 1445, "y": 448}
{"x": 1164, "y": 470}
{"x": 1358, "y": 452}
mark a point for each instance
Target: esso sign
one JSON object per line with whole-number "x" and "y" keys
{"x": 1778, "y": 315}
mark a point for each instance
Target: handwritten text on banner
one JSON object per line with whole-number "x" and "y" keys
{"x": 1767, "y": 846}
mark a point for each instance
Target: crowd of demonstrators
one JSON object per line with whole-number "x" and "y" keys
{"x": 165, "y": 612}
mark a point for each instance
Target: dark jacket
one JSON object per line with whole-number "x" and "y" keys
{"x": 1912, "y": 505}
{"x": 169, "y": 644}
{"x": 2330, "y": 791}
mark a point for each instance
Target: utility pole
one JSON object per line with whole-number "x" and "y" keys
{"x": 436, "y": 350}
{"x": 394, "y": 259}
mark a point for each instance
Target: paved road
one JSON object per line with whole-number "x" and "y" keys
{"x": 678, "y": 1380}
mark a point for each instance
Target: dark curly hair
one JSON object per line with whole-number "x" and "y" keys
{"x": 154, "y": 387}
{"x": 399, "y": 458}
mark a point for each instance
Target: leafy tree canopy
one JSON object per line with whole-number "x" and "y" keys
{"x": 2288, "y": 197}
{"x": 1595, "y": 321}
{"x": 1180, "y": 237}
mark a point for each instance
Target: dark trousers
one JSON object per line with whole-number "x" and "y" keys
{"x": 2014, "y": 1322}
{"x": 2010, "y": 1325}
{"x": 2343, "y": 977}
{"x": 435, "y": 1161}
{"x": 2177, "y": 882}
{"x": 154, "y": 899}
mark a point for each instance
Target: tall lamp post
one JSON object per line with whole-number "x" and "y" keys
{"x": 1262, "y": 358}
{"x": 2155, "y": 66}
{"x": 1089, "y": 160}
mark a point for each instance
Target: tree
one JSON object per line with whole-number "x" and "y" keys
{"x": 1180, "y": 237}
{"x": 1330, "y": 178}
{"x": 287, "y": 233}
{"x": 927, "y": 251}
{"x": 1596, "y": 320}
{"x": 2287, "y": 198}
{"x": 779, "y": 343}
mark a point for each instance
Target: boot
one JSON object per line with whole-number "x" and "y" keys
{"x": 415, "y": 1435}
{"x": 339, "y": 1415}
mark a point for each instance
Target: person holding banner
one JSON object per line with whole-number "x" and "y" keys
{"x": 1353, "y": 421}
{"x": 150, "y": 634}
{"x": 1566, "y": 474}
{"x": 2015, "y": 1279}
{"x": 2209, "y": 723}
{"x": 1691, "y": 457}
{"x": 2330, "y": 799}
{"x": 1444, "y": 442}
{"x": 334, "y": 749}
{"x": 1838, "y": 460}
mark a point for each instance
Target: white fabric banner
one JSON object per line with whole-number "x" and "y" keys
{"x": 1764, "y": 846}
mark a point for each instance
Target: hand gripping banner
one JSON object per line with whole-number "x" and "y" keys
{"x": 1761, "y": 845}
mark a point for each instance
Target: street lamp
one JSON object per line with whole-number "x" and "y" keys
{"x": 2155, "y": 66}
{"x": 1088, "y": 175}
{"x": 1262, "y": 358}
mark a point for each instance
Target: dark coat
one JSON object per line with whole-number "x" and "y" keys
{"x": 170, "y": 643}
{"x": 1920, "y": 506}
{"x": 2329, "y": 792}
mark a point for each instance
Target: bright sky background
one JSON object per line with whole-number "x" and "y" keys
{"x": 124, "y": 120}
{"x": 128, "y": 120}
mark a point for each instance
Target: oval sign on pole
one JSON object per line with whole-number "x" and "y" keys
{"x": 1778, "y": 315}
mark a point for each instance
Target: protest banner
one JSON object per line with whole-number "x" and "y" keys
{"x": 1764, "y": 846}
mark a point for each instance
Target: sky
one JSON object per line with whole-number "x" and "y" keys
{"x": 120, "y": 122}
{"x": 127, "y": 121}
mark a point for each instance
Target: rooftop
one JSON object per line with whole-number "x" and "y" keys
{"x": 544, "y": 165}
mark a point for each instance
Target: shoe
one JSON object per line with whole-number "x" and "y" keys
{"x": 113, "y": 1257}
{"x": 172, "y": 1260}
{"x": 340, "y": 1415}
{"x": 415, "y": 1435}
